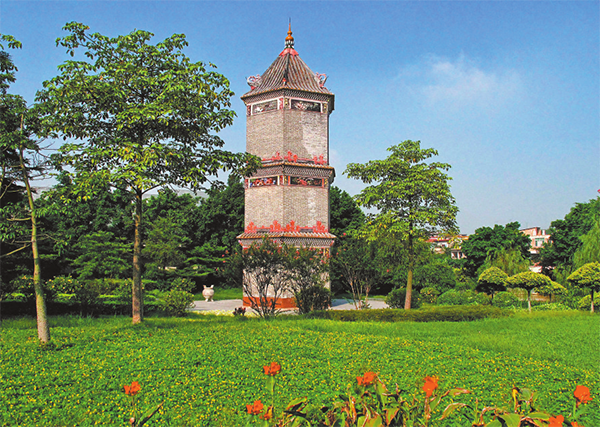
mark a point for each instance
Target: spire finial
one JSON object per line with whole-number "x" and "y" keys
{"x": 289, "y": 40}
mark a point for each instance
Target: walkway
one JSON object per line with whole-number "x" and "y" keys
{"x": 231, "y": 304}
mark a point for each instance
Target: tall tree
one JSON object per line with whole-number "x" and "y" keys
{"x": 345, "y": 215}
{"x": 19, "y": 151}
{"x": 413, "y": 197}
{"x": 558, "y": 254}
{"x": 138, "y": 116}
{"x": 489, "y": 243}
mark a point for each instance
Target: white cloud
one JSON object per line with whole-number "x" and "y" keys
{"x": 461, "y": 83}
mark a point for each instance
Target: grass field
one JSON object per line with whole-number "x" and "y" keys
{"x": 207, "y": 369}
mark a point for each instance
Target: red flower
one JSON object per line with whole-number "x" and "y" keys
{"x": 367, "y": 378}
{"x": 132, "y": 389}
{"x": 267, "y": 415}
{"x": 556, "y": 421}
{"x": 582, "y": 395}
{"x": 255, "y": 408}
{"x": 272, "y": 369}
{"x": 430, "y": 385}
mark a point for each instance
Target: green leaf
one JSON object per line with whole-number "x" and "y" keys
{"x": 511, "y": 420}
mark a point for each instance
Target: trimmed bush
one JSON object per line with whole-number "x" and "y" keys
{"x": 506, "y": 299}
{"x": 553, "y": 306}
{"x": 466, "y": 297}
{"x": 432, "y": 314}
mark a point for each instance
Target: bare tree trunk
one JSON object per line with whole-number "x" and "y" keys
{"x": 137, "y": 304}
{"x": 40, "y": 302}
{"x": 411, "y": 264}
{"x": 592, "y": 306}
{"x": 529, "y": 300}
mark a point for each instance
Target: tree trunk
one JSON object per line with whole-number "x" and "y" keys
{"x": 592, "y": 306}
{"x": 529, "y": 300}
{"x": 40, "y": 301}
{"x": 137, "y": 304}
{"x": 411, "y": 263}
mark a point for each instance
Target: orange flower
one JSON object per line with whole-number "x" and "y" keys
{"x": 430, "y": 385}
{"x": 255, "y": 408}
{"x": 132, "y": 389}
{"x": 576, "y": 424}
{"x": 556, "y": 421}
{"x": 582, "y": 395}
{"x": 367, "y": 378}
{"x": 267, "y": 415}
{"x": 272, "y": 369}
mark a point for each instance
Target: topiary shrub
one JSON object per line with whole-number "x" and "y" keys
{"x": 313, "y": 298}
{"x": 452, "y": 297}
{"x": 506, "y": 299}
{"x": 176, "y": 303}
{"x": 397, "y": 297}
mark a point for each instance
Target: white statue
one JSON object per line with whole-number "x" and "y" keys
{"x": 208, "y": 292}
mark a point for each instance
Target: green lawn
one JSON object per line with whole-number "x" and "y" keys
{"x": 206, "y": 369}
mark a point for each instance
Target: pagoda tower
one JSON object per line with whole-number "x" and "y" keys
{"x": 287, "y": 126}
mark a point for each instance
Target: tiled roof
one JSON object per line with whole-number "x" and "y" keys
{"x": 288, "y": 71}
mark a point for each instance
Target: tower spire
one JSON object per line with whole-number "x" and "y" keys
{"x": 289, "y": 40}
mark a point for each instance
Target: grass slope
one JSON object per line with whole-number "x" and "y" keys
{"x": 206, "y": 370}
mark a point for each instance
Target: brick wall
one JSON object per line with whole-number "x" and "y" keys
{"x": 303, "y": 133}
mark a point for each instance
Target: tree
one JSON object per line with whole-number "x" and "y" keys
{"x": 307, "y": 269}
{"x": 587, "y": 276}
{"x": 138, "y": 117}
{"x": 413, "y": 197}
{"x": 589, "y": 251}
{"x": 164, "y": 244}
{"x": 529, "y": 281}
{"x": 488, "y": 243}
{"x": 355, "y": 260}
{"x": 266, "y": 279}
{"x": 19, "y": 152}
{"x": 511, "y": 261}
{"x": 565, "y": 236}
{"x": 102, "y": 255}
{"x": 344, "y": 214}
{"x": 492, "y": 280}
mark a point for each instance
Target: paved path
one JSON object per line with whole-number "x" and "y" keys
{"x": 231, "y": 304}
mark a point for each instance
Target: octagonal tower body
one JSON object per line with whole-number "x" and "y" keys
{"x": 287, "y": 126}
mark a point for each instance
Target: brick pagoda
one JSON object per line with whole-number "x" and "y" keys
{"x": 287, "y": 126}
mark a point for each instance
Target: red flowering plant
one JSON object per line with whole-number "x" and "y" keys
{"x": 526, "y": 413}
{"x": 256, "y": 409}
{"x": 135, "y": 421}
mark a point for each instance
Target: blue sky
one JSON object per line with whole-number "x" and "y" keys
{"x": 507, "y": 92}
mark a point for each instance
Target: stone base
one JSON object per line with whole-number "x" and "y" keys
{"x": 282, "y": 303}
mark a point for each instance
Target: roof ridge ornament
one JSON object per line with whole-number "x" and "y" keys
{"x": 289, "y": 40}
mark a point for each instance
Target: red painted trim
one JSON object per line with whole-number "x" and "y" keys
{"x": 282, "y": 303}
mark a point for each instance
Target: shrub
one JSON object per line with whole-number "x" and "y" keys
{"x": 466, "y": 297}
{"x": 506, "y": 299}
{"x": 397, "y": 297}
{"x": 428, "y": 295}
{"x": 585, "y": 303}
{"x": 183, "y": 284}
{"x": 176, "y": 303}
{"x": 553, "y": 306}
{"x": 314, "y": 298}
{"x": 24, "y": 285}
{"x": 431, "y": 314}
